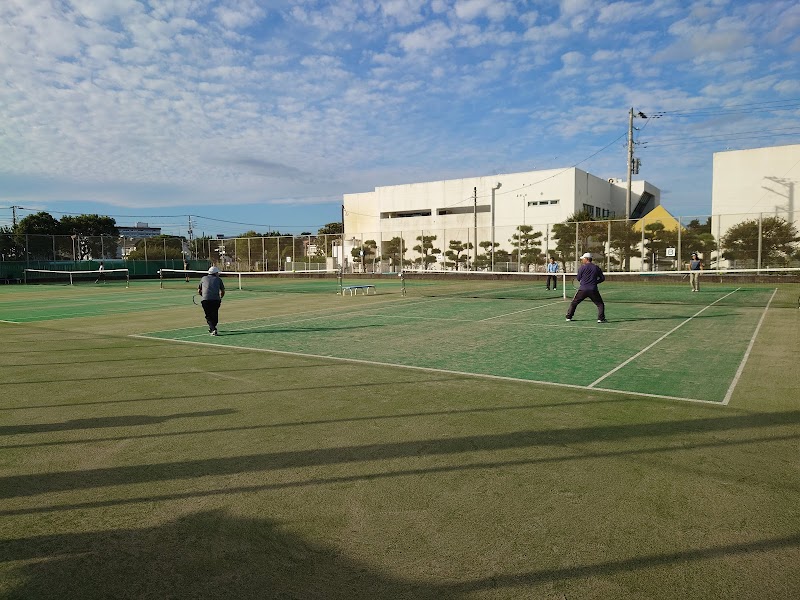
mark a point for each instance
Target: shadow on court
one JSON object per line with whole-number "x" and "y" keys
{"x": 27, "y": 485}
{"x": 102, "y": 422}
{"x": 246, "y": 558}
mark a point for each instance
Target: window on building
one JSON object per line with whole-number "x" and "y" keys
{"x": 404, "y": 214}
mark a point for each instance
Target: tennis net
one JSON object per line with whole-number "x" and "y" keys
{"x": 732, "y": 287}
{"x": 64, "y": 277}
{"x": 308, "y": 282}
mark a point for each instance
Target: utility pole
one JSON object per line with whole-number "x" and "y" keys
{"x": 14, "y": 216}
{"x": 633, "y": 163}
{"x": 630, "y": 167}
{"x": 191, "y": 237}
{"x": 475, "y": 224}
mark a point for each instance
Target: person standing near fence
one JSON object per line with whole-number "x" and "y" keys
{"x": 695, "y": 266}
{"x": 211, "y": 291}
{"x": 552, "y": 269}
{"x": 101, "y": 273}
{"x": 589, "y": 275}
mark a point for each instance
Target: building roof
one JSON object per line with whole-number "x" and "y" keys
{"x": 658, "y": 214}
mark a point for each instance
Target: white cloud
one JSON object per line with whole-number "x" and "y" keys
{"x": 241, "y": 13}
{"x": 428, "y": 39}
{"x": 494, "y": 10}
{"x": 202, "y": 100}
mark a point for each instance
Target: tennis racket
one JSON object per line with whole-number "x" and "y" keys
{"x": 194, "y": 300}
{"x": 576, "y": 283}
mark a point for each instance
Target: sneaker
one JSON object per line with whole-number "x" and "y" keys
{"x": 602, "y": 321}
{"x": 214, "y": 332}
{"x": 569, "y": 319}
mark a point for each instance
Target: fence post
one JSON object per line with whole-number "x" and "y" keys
{"x": 760, "y": 238}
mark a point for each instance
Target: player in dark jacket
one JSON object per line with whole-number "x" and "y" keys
{"x": 589, "y": 275}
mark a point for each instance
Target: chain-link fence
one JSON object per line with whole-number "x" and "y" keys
{"x": 650, "y": 244}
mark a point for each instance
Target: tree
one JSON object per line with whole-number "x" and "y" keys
{"x": 335, "y": 228}
{"x": 426, "y": 250}
{"x": 697, "y": 237}
{"x": 393, "y": 250}
{"x": 8, "y": 247}
{"x": 34, "y": 234}
{"x": 624, "y": 244}
{"x": 159, "y": 247}
{"x": 457, "y": 259}
{"x": 778, "y": 239}
{"x": 590, "y": 233}
{"x": 655, "y": 243}
{"x": 98, "y": 237}
{"x": 527, "y": 246}
{"x": 484, "y": 261}
{"x": 365, "y": 253}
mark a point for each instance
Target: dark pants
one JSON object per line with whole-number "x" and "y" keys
{"x": 555, "y": 281}
{"x": 594, "y": 296}
{"x": 211, "y": 308}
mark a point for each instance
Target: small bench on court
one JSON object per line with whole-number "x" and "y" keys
{"x": 353, "y": 289}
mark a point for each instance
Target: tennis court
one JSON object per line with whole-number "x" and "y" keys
{"x": 515, "y": 330}
{"x": 128, "y": 430}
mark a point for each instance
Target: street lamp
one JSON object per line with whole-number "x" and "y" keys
{"x": 494, "y": 189}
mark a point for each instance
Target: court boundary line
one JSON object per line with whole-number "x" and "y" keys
{"x": 373, "y": 363}
{"x": 516, "y": 312}
{"x": 670, "y": 332}
{"x": 746, "y": 356}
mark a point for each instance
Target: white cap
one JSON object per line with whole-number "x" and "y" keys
{"x": 213, "y": 271}
{"x": 587, "y": 255}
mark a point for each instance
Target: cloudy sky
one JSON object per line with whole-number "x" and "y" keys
{"x": 251, "y": 114}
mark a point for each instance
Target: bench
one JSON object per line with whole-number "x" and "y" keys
{"x": 353, "y": 289}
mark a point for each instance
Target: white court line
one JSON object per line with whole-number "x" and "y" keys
{"x": 643, "y": 350}
{"x": 519, "y": 311}
{"x": 432, "y": 370}
{"x": 747, "y": 352}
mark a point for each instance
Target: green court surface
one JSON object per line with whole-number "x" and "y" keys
{"x": 481, "y": 328}
{"x": 642, "y": 349}
{"x": 463, "y": 443}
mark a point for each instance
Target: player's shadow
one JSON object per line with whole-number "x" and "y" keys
{"x": 103, "y": 422}
{"x": 203, "y": 555}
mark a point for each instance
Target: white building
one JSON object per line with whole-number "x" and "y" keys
{"x": 483, "y": 209}
{"x": 753, "y": 184}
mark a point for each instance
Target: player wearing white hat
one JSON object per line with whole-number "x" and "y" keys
{"x": 211, "y": 290}
{"x": 589, "y": 275}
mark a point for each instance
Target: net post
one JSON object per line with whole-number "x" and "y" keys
{"x": 70, "y": 278}
{"x": 239, "y": 275}
{"x": 161, "y": 278}
{"x": 127, "y": 279}
{"x": 402, "y": 282}
{"x": 340, "y": 281}
{"x": 564, "y": 284}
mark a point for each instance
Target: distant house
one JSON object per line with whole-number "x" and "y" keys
{"x": 658, "y": 215}
{"x": 139, "y": 231}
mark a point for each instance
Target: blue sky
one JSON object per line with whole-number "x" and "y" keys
{"x": 254, "y": 114}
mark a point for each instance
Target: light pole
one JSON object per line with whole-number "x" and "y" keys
{"x": 494, "y": 189}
